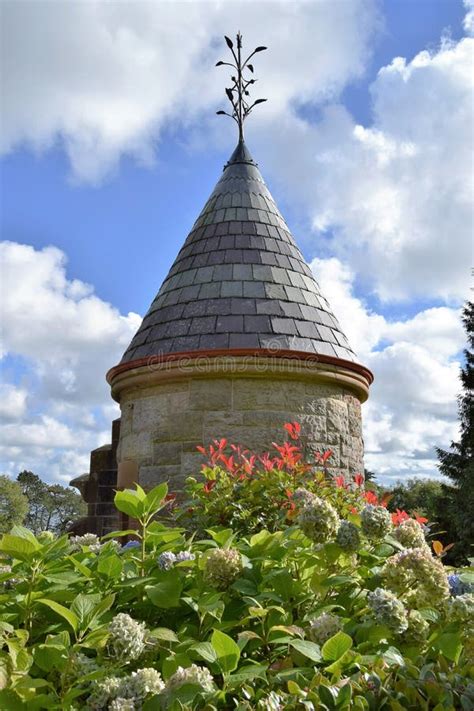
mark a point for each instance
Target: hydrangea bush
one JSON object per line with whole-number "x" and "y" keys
{"x": 282, "y": 587}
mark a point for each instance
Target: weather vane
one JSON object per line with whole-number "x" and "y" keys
{"x": 237, "y": 93}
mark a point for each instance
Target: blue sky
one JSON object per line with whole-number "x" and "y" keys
{"x": 117, "y": 196}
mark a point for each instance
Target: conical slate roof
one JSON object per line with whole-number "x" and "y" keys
{"x": 239, "y": 281}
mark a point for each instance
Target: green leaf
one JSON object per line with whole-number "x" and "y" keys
{"x": 228, "y": 651}
{"x": 83, "y": 607}
{"x": 9, "y": 701}
{"x": 205, "y": 650}
{"x": 128, "y": 503}
{"x": 393, "y": 656}
{"x": 154, "y": 499}
{"x": 66, "y": 614}
{"x": 164, "y": 634}
{"x": 248, "y": 673}
{"x": 110, "y": 566}
{"x": 336, "y": 646}
{"x": 18, "y": 547}
{"x": 344, "y": 696}
{"x": 22, "y": 532}
{"x": 166, "y": 592}
{"x": 308, "y": 649}
{"x": 450, "y": 645}
{"x": 48, "y": 657}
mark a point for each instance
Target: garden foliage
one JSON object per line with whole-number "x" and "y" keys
{"x": 281, "y": 587}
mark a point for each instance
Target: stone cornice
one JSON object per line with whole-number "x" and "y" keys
{"x": 239, "y": 363}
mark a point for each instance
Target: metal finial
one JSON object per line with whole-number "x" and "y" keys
{"x": 241, "y": 107}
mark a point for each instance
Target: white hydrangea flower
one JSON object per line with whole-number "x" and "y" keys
{"x": 324, "y": 627}
{"x": 88, "y": 540}
{"x": 103, "y": 692}
{"x": 223, "y": 566}
{"x": 348, "y": 536}
{"x": 166, "y": 560}
{"x": 318, "y": 520}
{"x": 191, "y": 675}
{"x": 461, "y": 608}
{"x": 376, "y": 521}
{"x": 421, "y": 578}
{"x": 184, "y": 555}
{"x": 410, "y": 534}
{"x": 143, "y": 682}
{"x": 122, "y": 704}
{"x": 388, "y": 610}
{"x": 127, "y": 636}
{"x": 303, "y": 497}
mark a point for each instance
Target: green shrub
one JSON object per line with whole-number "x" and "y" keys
{"x": 229, "y": 618}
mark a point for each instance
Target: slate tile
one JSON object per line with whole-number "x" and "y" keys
{"x": 242, "y": 241}
{"x": 254, "y": 289}
{"x": 269, "y": 258}
{"x": 284, "y": 325}
{"x": 235, "y": 228}
{"x": 229, "y": 324}
{"x": 209, "y": 291}
{"x": 307, "y": 329}
{"x": 222, "y": 228}
{"x": 231, "y": 288}
{"x": 227, "y": 242}
{"x": 219, "y": 306}
{"x": 195, "y": 308}
{"x": 248, "y": 228}
{"x": 271, "y": 307}
{"x": 203, "y": 275}
{"x": 325, "y": 348}
{"x": 275, "y": 291}
{"x": 203, "y": 324}
{"x": 233, "y": 256}
{"x": 257, "y": 324}
{"x": 186, "y": 343}
{"x": 294, "y": 294}
{"x": 214, "y": 341}
{"x": 261, "y": 229}
{"x": 251, "y": 256}
{"x": 291, "y": 310}
{"x": 244, "y": 340}
{"x": 243, "y": 272}
{"x": 274, "y": 342}
{"x": 223, "y": 272}
{"x": 189, "y": 293}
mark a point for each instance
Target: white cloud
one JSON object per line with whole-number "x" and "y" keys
{"x": 103, "y": 79}
{"x": 412, "y": 404}
{"x": 67, "y": 338}
{"x": 394, "y": 198}
{"x": 12, "y": 402}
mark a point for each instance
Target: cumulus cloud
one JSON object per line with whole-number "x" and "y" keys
{"x": 412, "y": 406}
{"x": 103, "y": 79}
{"x": 393, "y": 199}
{"x": 62, "y": 338}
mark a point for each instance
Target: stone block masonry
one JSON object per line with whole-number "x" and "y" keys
{"x": 162, "y": 424}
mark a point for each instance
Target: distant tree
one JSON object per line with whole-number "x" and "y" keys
{"x": 458, "y": 463}
{"x": 51, "y": 507}
{"x": 427, "y": 497}
{"x": 369, "y": 475}
{"x": 13, "y": 504}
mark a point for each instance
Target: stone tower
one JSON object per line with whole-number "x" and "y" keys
{"x": 238, "y": 340}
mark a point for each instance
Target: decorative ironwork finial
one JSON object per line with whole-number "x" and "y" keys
{"x": 237, "y": 93}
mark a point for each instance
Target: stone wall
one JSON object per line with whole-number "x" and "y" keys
{"x": 98, "y": 489}
{"x": 161, "y": 425}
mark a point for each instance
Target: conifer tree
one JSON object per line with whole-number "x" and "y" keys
{"x": 458, "y": 462}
